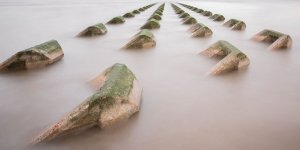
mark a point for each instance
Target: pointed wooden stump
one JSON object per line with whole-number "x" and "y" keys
{"x": 233, "y": 59}
{"x": 143, "y": 39}
{"x": 206, "y": 13}
{"x": 117, "y": 99}
{"x": 151, "y": 24}
{"x": 235, "y": 24}
{"x": 38, "y": 56}
{"x": 95, "y": 30}
{"x": 279, "y": 40}
{"x": 217, "y": 17}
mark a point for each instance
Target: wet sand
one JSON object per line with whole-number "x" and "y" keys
{"x": 183, "y": 107}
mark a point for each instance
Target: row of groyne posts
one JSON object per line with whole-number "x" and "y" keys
{"x": 145, "y": 38}
{"x": 119, "y": 92}
{"x": 233, "y": 58}
{"x": 50, "y": 51}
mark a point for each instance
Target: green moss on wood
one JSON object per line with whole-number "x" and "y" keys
{"x": 118, "y": 86}
{"x": 104, "y": 107}
{"x": 141, "y": 9}
{"x": 194, "y": 9}
{"x": 202, "y": 32}
{"x": 128, "y": 15}
{"x": 155, "y": 16}
{"x": 141, "y": 39}
{"x": 116, "y": 20}
{"x": 206, "y": 13}
{"x": 271, "y": 35}
{"x": 158, "y": 13}
{"x": 279, "y": 40}
{"x": 37, "y": 55}
{"x": 97, "y": 29}
{"x": 136, "y": 12}
{"x": 17, "y": 65}
{"x": 47, "y": 47}
{"x": 239, "y": 26}
{"x": 151, "y": 24}
{"x": 233, "y": 59}
{"x": 184, "y": 15}
{"x": 190, "y": 20}
{"x": 235, "y": 24}
{"x": 179, "y": 11}
{"x": 196, "y": 26}
{"x": 199, "y": 10}
{"x": 217, "y": 17}
{"x": 227, "y": 48}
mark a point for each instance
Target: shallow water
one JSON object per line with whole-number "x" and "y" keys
{"x": 183, "y": 107}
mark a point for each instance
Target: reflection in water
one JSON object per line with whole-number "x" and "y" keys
{"x": 183, "y": 107}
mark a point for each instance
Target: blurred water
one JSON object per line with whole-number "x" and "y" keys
{"x": 183, "y": 107}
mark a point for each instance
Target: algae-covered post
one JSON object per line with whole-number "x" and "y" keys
{"x": 159, "y": 12}
{"x": 233, "y": 58}
{"x": 179, "y": 11}
{"x": 279, "y": 40}
{"x": 143, "y": 39}
{"x": 116, "y": 20}
{"x": 151, "y": 24}
{"x": 194, "y": 9}
{"x": 189, "y": 20}
{"x": 155, "y": 16}
{"x": 235, "y": 24}
{"x": 129, "y": 15}
{"x": 199, "y": 10}
{"x": 184, "y": 15}
{"x": 200, "y": 30}
{"x": 141, "y": 9}
{"x": 136, "y": 11}
{"x": 117, "y": 99}
{"x": 97, "y": 29}
{"x": 38, "y": 56}
{"x": 217, "y": 17}
{"x": 206, "y": 13}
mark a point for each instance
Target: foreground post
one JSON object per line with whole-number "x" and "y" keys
{"x": 38, "y": 56}
{"x": 117, "y": 99}
{"x": 233, "y": 59}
